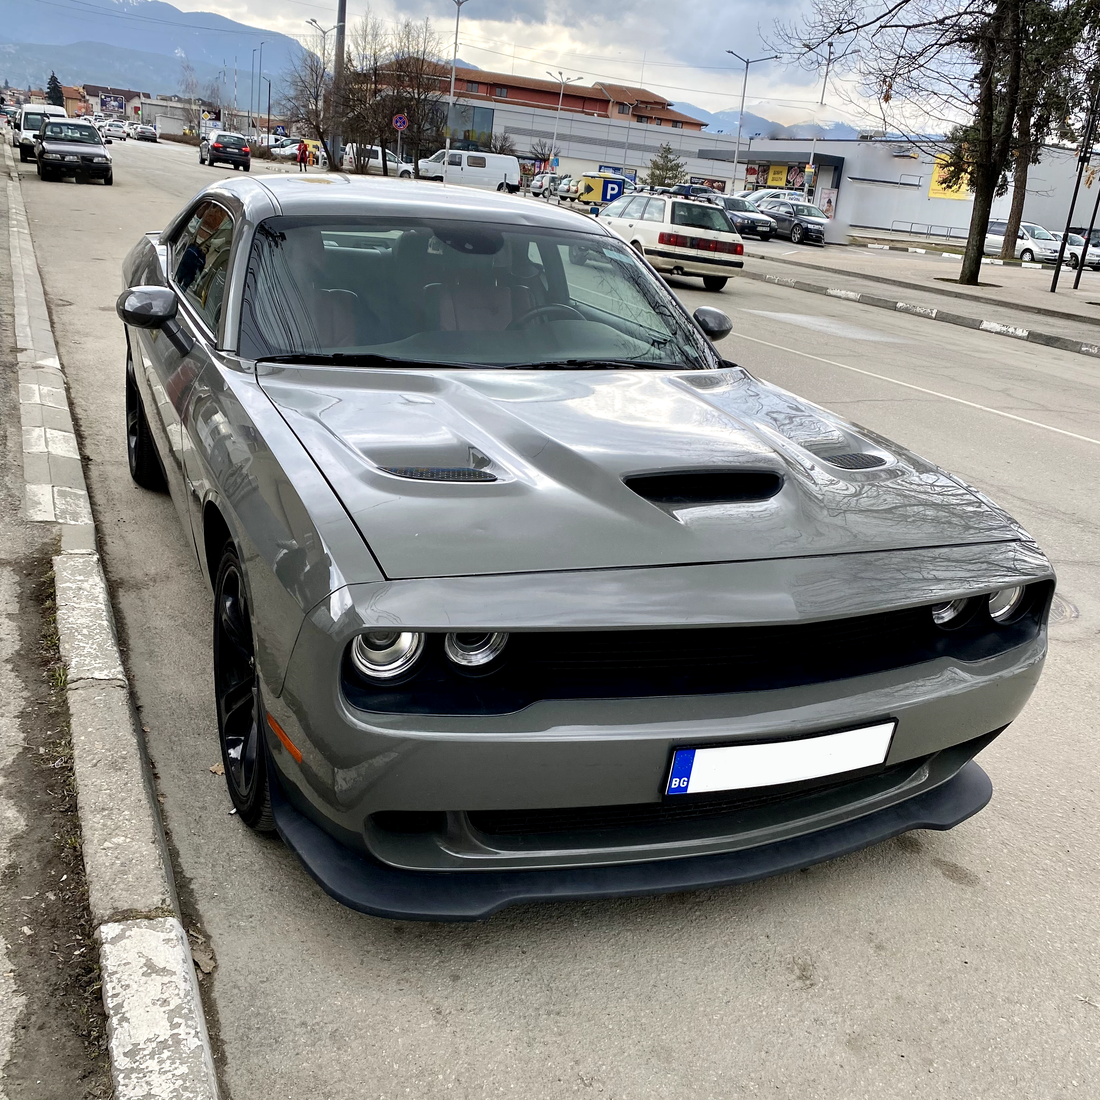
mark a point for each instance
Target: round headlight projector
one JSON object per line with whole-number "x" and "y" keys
{"x": 945, "y": 614}
{"x": 1004, "y": 604}
{"x": 386, "y": 654}
{"x": 472, "y": 650}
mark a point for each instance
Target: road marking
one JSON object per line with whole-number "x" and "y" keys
{"x": 919, "y": 389}
{"x": 828, "y": 325}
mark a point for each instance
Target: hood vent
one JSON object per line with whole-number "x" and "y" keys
{"x": 439, "y": 473}
{"x": 686, "y": 488}
{"x": 859, "y": 460}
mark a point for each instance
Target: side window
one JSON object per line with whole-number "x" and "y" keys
{"x": 615, "y": 209}
{"x": 455, "y": 159}
{"x": 474, "y": 162}
{"x": 997, "y": 228}
{"x": 200, "y": 258}
{"x": 655, "y": 211}
{"x": 636, "y": 207}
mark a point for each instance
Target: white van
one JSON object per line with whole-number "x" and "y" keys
{"x": 492, "y": 171}
{"x": 29, "y": 123}
{"x": 370, "y": 161}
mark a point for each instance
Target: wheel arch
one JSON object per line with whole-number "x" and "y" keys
{"x": 215, "y": 534}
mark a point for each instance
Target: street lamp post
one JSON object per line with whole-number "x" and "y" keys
{"x": 251, "y": 84}
{"x": 450, "y": 105}
{"x": 324, "y": 53}
{"x": 562, "y": 79}
{"x": 741, "y": 116}
{"x": 259, "y": 86}
{"x": 338, "y": 84}
{"x": 813, "y": 145}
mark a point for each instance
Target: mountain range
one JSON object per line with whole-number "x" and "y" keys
{"x": 725, "y": 122}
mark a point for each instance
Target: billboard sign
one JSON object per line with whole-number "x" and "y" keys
{"x": 109, "y": 103}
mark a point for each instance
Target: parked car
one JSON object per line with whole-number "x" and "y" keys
{"x": 696, "y": 630}
{"x": 225, "y": 147}
{"x": 145, "y": 133}
{"x": 695, "y": 191}
{"x": 544, "y": 184}
{"x": 115, "y": 130}
{"x": 489, "y": 171}
{"x": 767, "y": 194}
{"x": 1033, "y": 242}
{"x": 369, "y": 161}
{"x": 1075, "y": 246}
{"x": 747, "y": 218}
{"x": 679, "y": 235}
{"x": 287, "y": 149}
{"x": 797, "y": 220}
{"x": 27, "y": 125}
{"x": 69, "y": 147}
{"x": 568, "y": 186}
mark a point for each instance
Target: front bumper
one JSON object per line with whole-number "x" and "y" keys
{"x": 362, "y": 883}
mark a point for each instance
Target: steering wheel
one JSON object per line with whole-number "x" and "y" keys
{"x": 567, "y": 313}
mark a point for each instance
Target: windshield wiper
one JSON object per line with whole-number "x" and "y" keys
{"x": 357, "y": 359}
{"x": 596, "y": 364}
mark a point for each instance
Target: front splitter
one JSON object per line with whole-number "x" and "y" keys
{"x": 371, "y": 887}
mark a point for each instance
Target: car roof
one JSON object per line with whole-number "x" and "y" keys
{"x": 343, "y": 194}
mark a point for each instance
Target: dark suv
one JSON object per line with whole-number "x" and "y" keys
{"x": 225, "y": 147}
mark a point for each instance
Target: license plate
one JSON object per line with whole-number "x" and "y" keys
{"x": 738, "y": 767}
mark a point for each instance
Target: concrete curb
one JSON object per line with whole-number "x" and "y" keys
{"x": 943, "y": 292}
{"x": 157, "y": 1036}
{"x": 931, "y": 313}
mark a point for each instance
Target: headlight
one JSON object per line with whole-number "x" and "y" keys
{"x": 51, "y": 156}
{"x": 386, "y": 654}
{"x": 1004, "y": 604}
{"x": 471, "y": 650}
{"x": 73, "y": 158}
{"x": 101, "y": 160}
{"x": 946, "y": 614}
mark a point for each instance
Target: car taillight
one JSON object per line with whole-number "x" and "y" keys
{"x": 702, "y": 244}
{"x": 244, "y": 148}
{"x": 216, "y": 145}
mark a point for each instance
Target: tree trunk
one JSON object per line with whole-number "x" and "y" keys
{"x": 1019, "y": 184}
{"x": 985, "y": 183}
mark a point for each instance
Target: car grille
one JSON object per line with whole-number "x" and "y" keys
{"x": 625, "y": 664}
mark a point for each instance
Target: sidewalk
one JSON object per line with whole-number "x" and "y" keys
{"x": 1015, "y": 288}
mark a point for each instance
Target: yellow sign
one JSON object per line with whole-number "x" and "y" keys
{"x": 937, "y": 189}
{"x": 777, "y": 175}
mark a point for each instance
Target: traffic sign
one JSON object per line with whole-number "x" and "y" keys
{"x": 281, "y": 131}
{"x": 400, "y": 122}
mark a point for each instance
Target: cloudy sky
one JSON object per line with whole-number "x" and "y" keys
{"x": 675, "y": 48}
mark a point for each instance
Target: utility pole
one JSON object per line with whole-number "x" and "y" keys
{"x": 338, "y": 86}
{"x": 1083, "y": 159}
{"x": 251, "y": 83}
{"x": 451, "y": 101}
{"x": 259, "y": 87}
{"x": 813, "y": 146}
{"x": 741, "y": 116}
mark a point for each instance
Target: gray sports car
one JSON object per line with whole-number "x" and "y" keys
{"x": 521, "y": 590}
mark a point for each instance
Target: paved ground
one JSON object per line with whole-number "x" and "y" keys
{"x": 959, "y": 965}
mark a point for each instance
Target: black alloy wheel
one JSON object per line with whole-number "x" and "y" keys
{"x": 141, "y": 453}
{"x": 797, "y": 233}
{"x": 237, "y": 694}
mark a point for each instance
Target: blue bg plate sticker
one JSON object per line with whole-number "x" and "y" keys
{"x": 742, "y": 767}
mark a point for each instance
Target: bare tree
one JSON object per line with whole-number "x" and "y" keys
{"x": 189, "y": 92}
{"x": 541, "y": 149}
{"x": 306, "y": 96}
{"x": 503, "y": 143}
{"x": 418, "y": 86}
{"x": 365, "y": 91}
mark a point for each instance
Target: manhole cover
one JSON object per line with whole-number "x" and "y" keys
{"x": 1061, "y": 610}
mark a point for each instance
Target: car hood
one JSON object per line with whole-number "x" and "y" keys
{"x": 77, "y": 148}
{"x": 560, "y": 445}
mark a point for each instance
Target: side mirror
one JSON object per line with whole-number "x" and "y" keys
{"x": 154, "y": 307}
{"x": 713, "y": 322}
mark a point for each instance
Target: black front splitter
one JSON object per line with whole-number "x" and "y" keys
{"x": 382, "y": 891}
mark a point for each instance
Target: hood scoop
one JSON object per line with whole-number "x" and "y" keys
{"x": 696, "y": 488}
{"x": 439, "y": 473}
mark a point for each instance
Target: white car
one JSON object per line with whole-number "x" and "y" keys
{"x": 115, "y": 130}
{"x": 369, "y": 160}
{"x": 784, "y": 193}
{"x": 491, "y": 171}
{"x": 1074, "y": 245}
{"x": 27, "y": 124}
{"x": 1033, "y": 242}
{"x": 679, "y": 235}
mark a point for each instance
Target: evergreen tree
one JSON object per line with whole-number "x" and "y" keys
{"x": 54, "y": 94}
{"x": 665, "y": 169}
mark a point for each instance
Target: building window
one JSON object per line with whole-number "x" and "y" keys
{"x": 642, "y": 119}
{"x": 500, "y": 93}
{"x": 677, "y": 125}
{"x": 472, "y": 86}
{"x": 624, "y": 108}
{"x": 656, "y": 122}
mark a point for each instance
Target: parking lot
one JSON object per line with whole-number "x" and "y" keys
{"x": 940, "y": 965}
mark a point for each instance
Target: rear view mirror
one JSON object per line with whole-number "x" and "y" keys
{"x": 713, "y": 322}
{"x": 154, "y": 307}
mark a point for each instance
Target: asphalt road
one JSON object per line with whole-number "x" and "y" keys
{"x": 957, "y": 965}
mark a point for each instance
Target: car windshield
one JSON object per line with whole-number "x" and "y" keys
{"x": 741, "y": 205}
{"x": 695, "y": 215}
{"x": 458, "y": 293}
{"x": 807, "y": 211}
{"x": 1038, "y": 232}
{"x": 1074, "y": 239}
{"x": 70, "y": 131}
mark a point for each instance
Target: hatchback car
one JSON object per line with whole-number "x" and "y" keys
{"x": 68, "y": 147}
{"x": 225, "y": 147}
{"x": 544, "y": 185}
{"x": 798, "y": 221}
{"x": 747, "y": 218}
{"x": 522, "y": 590}
{"x": 1033, "y": 242}
{"x": 679, "y": 236}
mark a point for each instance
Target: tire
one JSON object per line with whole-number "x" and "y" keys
{"x": 247, "y": 167}
{"x": 637, "y": 246}
{"x": 1074, "y": 263}
{"x": 23, "y": 158}
{"x": 1027, "y": 256}
{"x": 714, "y": 282}
{"x": 201, "y": 161}
{"x": 765, "y": 236}
{"x": 797, "y": 233}
{"x": 237, "y": 697}
{"x": 109, "y": 179}
{"x": 38, "y": 168}
{"x": 141, "y": 452}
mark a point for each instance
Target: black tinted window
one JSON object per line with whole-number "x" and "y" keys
{"x": 697, "y": 216}
{"x": 200, "y": 258}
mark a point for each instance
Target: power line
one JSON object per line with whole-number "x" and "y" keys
{"x": 76, "y": 7}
